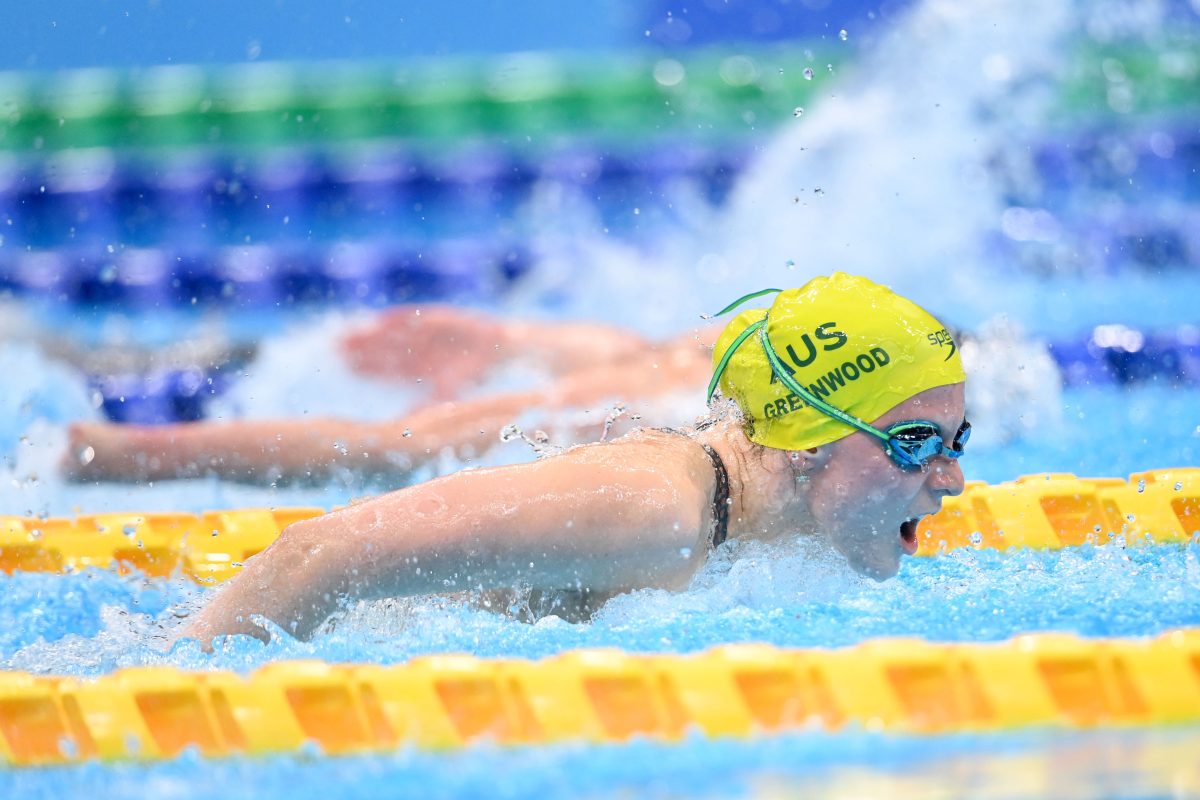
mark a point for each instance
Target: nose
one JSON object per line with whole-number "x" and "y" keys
{"x": 946, "y": 478}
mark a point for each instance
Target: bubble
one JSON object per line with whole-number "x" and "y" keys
{"x": 406, "y": 433}
{"x": 808, "y": 73}
{"x": 509, "y": 432}
{"x": 790, "y": 264}
{"x": 843, "y": 34}
{"x": 68, "y": 748}
{"x": 798, "y": 112}
{"x": 1141, "y": 486}
{"x": 87, "y": 455}
{"x": 1179, "y": 486}
{"x": 129, "y": 530}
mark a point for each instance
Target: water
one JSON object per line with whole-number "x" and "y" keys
{"x": 887, "y": 174}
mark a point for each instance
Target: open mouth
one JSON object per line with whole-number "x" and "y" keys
{"x": 908, "y": 535}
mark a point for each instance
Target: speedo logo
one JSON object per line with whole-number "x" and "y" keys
{"x": 941, "y": 339}
{"x": 829, "y": 383}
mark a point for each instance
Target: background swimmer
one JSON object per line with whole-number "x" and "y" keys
{"x": 646, "y": 509}
{"x": 597, "y": 368}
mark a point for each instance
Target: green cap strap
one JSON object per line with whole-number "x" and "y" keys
{"x": 743, "y": 299}
{"x": 724, "y": 362}
{"x": 720, "y": 370}
{"x": 794, "y": 386}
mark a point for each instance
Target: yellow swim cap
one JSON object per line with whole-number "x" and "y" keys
{"x": 852, "y": 344}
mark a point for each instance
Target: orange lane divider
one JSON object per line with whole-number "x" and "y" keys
{"x": 1042, "y": 511}
{"x": 448, "y": 701}
{"x": 1056, "y": 510}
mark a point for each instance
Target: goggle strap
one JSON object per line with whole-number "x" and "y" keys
{"x": 724, "y": 362}
{"x": 743, "y": 299}
{"x": 804, "y": 394}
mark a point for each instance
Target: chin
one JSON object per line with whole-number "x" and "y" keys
{"x": 879, "y": 569}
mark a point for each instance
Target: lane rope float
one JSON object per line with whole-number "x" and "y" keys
{"x": 448, "y": 701}
{"x": 1046, "y": 511}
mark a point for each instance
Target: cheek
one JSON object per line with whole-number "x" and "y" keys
{"x": 872, "y": 489}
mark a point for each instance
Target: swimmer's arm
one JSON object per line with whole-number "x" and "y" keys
{"x": 288, "y": 449}
{"x": 311, "y": 449}
{"x": 563, "y": 347}
{"x": 247, "y": 450}
{"x": 553, "y": 524}
{"x": 451, "y": 347}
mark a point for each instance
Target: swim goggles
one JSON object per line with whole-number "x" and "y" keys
{"x": 909, "y": 444}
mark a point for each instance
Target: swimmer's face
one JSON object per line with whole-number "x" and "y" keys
{"x": 862, "y": 500}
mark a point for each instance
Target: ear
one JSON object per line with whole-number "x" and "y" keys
{"x": 806, "y": 462}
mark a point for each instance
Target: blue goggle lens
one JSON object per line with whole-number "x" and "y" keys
{"x": 911, "y": 444}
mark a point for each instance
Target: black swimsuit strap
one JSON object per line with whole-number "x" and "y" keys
{"x": 720, "y": 502}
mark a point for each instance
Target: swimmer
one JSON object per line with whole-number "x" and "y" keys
{"x": 605, "y": 375}
{"x": 848, "y": 422}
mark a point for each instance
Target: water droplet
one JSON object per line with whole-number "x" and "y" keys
{"x": 686, "y": 552}
{"x": 406, "y": 433}
{"x": 843, "y": 34}
{"x": 129, "y": 530}
{"x": 617, "y": 412}
{"x": 36, "y": 533}
{"x": 829, "y": 67}
{"x": 808, "y": 73}
{"x": 87, "y": 455}
{"x": 799, "y": 112}
{"x": 976, "y": 538}
{"x": 1179, "y": 486}
{"x": 509, "y": 432}
{"x": 1141, "y": 486}
{"x": 68, "y": 748}
{"x": 1130, "y": 517}
{"x": 108, "y": 273}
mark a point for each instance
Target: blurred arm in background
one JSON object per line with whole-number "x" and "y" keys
{"x": 598, "y": 373}
{"x": 451, "y": 347}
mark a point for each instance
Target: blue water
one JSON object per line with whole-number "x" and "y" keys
{"x": 904, "y": 197}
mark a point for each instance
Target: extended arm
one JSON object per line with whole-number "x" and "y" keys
{"x": 260, "y": 451}
{"x": 588, "y": 518}
{"x": 266, "y": 450}
{"x": 451, "y": 347}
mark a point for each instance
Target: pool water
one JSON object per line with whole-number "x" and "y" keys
{"x": 888, "y": 175}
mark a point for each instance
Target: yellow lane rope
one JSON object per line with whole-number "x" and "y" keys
{"x": 1042, "y": 511}
{"x": 446, "y": 701}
